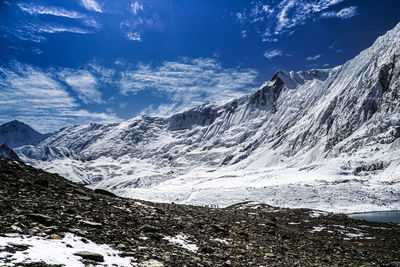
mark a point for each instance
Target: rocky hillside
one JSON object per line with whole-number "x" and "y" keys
{"x": 48, "y": 221}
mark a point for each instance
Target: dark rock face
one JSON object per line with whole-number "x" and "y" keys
{"x": 8, "y": 153}
{"x": 241, "y": 235}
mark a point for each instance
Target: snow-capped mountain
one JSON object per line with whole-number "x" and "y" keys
{"x": 319, "y": 139}
{"x": 16, "y": 134}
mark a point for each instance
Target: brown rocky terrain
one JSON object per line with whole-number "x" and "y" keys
{"x": 37, "y": 203}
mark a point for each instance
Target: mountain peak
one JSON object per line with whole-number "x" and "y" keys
{"x": 14, "y": 123}
{"x": 16, "y": 133}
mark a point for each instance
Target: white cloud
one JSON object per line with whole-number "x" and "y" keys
{"x": 272, "y": 53}
{"x": 187, "y": 83}
{"x": 37, "y": 97}
{"x": 56, "y": 29}
{"x": 344, "y": 13}
{"x": 91, "y": 22}
{"x": 313, "y": 58}
{"x": 84, "y": 84}
{"x": 37, "y": 51}
{"x": 54, "y": 11}
{"x": 91, "y": 5}
{"x": 36, "y": 32}
{"x": 133, "y": 36}
{"x": 276, "y": 18}
{"x": 35, "y": 29}
{"x": 136, "y": 6}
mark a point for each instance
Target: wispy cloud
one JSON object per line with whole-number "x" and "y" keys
{"x": 344, "y": 13}
{"x": 37, "y": 51}
{"x": 133, "y": 36}
{"x": 276, "y": 18}
{"x": 313, "y": 58}
{"x": 35, "y": 32}
{"x": 53, "y": 98}
{"x": 45, "y": 20}
{"x": 269, "y": 54}
{"x": 146, "y": 19}
{"x": 56, "y": 29}
{"x": 54, "y": 11}
{"x": 136, "y": 6}
{"x": 36, "y": 97}
{"x": 92, "y": 23}
{"x": 187, "y": 83}
{"x": 91, "y": 5}
{"x": 84, "y": 84}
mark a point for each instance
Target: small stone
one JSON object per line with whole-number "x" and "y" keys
{"x": 77, "y": 231}
{"x": 155, "y": 236}
{"x": 228, "y": 263}
{"x": 90, "y": 256}
{"x": 55, "y": 236}
{"x": 148, "y": 228}
{"x": 83, "y": 197}
{"x": 41, "y": 218}
{"x": 91, "y": 224}
{"x": 42, "y": 182}
{"x": 12, "y": 235}
{"x": 19, "y": 246}
{"x": 151, "y": 263}
{"x": 105, "y": 192}
{"x": 121, "y": 246}
{"x": 207, "y": 250}
{"x": 80, "y": 191}
{"x": 127, "y": 254}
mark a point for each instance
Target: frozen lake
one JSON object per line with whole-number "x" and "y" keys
{"x": 379, "y": 216}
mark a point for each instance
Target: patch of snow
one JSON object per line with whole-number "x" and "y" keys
{"x": 354, "y": 234}
{"x": 316, "y": 213}
{"x": 223, "y": 241}
{"x": 60, "y": 252}
{"x": 317, "y": 229}
{"x": 182, "y": 241}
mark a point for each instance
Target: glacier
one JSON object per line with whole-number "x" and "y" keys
{"x": 325, "y": 139}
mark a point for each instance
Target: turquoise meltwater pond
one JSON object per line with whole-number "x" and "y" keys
{"x": 378, "y": 216}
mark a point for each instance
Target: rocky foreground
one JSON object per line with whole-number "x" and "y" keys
{"x": 38, "y": 208}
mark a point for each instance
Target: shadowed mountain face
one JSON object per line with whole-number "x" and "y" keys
{"x": 300, "y": 130}
{"x": 16, "y": 134}
{"x": 8, "y": 153}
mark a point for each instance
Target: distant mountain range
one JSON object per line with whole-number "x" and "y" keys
{"x": 322, "y": 138}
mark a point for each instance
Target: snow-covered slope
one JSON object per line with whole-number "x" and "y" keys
{"x": 326, "y": 139}
{"x": 16, "y": 134}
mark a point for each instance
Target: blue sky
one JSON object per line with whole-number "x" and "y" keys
{"x": 70, "y": 62}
